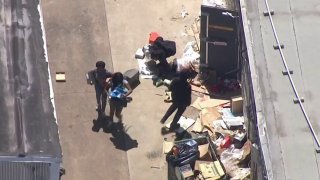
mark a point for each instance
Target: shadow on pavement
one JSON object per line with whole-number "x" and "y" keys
{"x": 120, "y": 138}
{"x": 101, "y": 123}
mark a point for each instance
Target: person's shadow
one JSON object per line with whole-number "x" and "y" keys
{"x": 120, "y": 138}
{"x": 103, "y": 123}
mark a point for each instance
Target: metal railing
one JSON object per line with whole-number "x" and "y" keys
{"x": 290, "y": 77}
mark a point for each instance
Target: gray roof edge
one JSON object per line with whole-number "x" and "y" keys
{"x": 262, "y": 127}
{"x": 35, "y": 158}
{"x": 49, "y": 73}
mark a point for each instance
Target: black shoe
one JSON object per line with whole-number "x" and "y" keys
{"x": 97, "y": 108}
{"x": 165, "y": 130}
{"x": 162, "y": 121}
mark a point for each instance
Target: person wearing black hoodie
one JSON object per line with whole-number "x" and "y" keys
{"x": 181, "y": 98}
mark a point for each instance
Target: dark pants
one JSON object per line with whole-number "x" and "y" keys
{"x": 115, "y": 108}
{"x": 181, "y": 108}
{"x": 101, "y": 96}
{"x": 163, "y": 68}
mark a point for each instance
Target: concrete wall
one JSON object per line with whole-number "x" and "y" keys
{"x": 258, "y": 167}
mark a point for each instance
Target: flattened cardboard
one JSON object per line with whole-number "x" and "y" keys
{"x": 201, "y": 103}
{"x": 197, "y": 127}
{"x": 166, "y": 146}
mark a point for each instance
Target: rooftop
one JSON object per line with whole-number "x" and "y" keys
{"x": 27, "y": 121}
{"x": 290, "y": 149}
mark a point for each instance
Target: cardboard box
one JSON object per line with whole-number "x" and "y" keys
{"x": 236, "y": 105}
{"x": 60, "y": 77}
{"x": 210, "y": 170}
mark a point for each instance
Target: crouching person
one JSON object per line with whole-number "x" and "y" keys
{"x": 181, "y": 98}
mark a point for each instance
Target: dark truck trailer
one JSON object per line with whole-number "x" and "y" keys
{"x": 29, "y": 139}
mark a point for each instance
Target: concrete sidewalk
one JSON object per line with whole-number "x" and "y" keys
{"x": 130, "y": 23}
{"x": 78, "y": 33}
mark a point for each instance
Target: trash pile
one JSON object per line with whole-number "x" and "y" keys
{"x": 217, "y": 146}
{"x": 223, "y": 121}
{"x": 154, "y": 64}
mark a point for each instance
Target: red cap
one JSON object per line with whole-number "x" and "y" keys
{"x": 153, "y": 37}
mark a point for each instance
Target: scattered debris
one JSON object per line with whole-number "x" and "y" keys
{"x": 184, "y": 123}
{"x": 155, "y": 167}
{"x": 220, "y": 119}
{"x": 139, "y": 54}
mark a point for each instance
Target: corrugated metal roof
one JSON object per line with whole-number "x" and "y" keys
{"x": 24, "y": 171}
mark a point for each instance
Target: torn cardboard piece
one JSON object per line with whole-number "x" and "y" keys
{"x": 207, "y": 116}
{"x": 201, "y": 103}
{"x": 199, "y": 89}
{"x": 203, "y": 149}
{"x": 197, "y": 127}
{"x": 167, "y": 146}
{"x": 210, "y": 114}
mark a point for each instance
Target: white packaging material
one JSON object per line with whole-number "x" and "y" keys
{"x": 189, "y": 57}
{"x": 234, "y": 122}
{"x": 189, "y": 51}
{"x": 146, "y": 51}
{"x": 240, "y": 135}
{"x": 139, "y": 54}
{"x": 143, "y": 68}
{"x": 167, "y": 82}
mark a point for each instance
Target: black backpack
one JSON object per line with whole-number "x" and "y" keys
{"x": 168, "y": 46}
{"x": 162, "y": 49}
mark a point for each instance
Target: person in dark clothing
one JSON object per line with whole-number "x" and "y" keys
{"x": 160, "y": 50}
{"x": 181, "y": 98}
{"x": 100, "y": 74}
